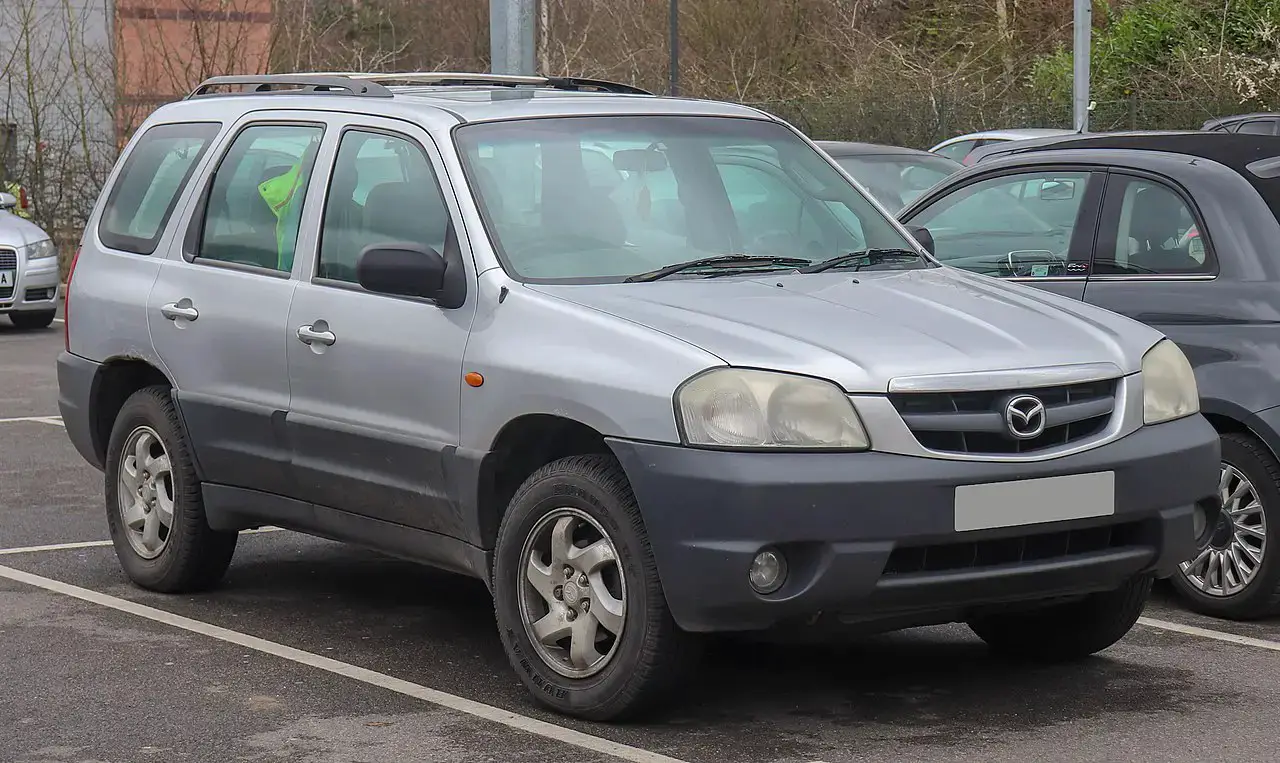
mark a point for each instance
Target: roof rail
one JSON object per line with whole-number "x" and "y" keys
{"x": 447, "y": 79}
{"x": 330, "y": 84}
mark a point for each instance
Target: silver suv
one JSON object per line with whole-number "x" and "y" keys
{"x": 28, "y": 270}
{"x": 648, "y": 367}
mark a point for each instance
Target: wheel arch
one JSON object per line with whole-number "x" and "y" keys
{"x": 115, "y": 381}
{"x": 521, "y": 447}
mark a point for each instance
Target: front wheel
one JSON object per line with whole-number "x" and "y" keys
{"x": 1064, "y": 632}
{"x": 1237, "y": 576}
{"x": 579, "y": 606}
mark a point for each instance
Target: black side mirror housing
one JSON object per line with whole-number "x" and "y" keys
{"x": 402, "y": 269}
{"x": 922, "y": 237}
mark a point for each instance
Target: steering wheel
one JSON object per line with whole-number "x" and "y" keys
{"x": 1031, "y": 263}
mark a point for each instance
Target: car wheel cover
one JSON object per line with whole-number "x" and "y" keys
{"x": 1236, "y": 551}
{"x": 572, "y": 593}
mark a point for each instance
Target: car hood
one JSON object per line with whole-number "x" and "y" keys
{"x": 17, "y": 232}
{"x": 863, "y": 331}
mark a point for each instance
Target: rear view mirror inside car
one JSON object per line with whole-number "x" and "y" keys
{"x": 640, "y": 160}
{"x": 1058, "y": 190}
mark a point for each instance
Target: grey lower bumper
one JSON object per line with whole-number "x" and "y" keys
{"x": 76, "y": 379}
{"x": 873, "y": 535}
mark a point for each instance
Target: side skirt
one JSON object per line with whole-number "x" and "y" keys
{"x": 232, "y": 508}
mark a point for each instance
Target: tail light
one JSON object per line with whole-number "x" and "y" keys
{"x": 66, "y": 303}
{"x": 22, "y": 197}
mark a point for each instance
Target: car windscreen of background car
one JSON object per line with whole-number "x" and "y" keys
{"x": 583, "y": 199}
{"x": 894, "y": 179}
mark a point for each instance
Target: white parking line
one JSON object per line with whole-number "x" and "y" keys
{"x": 364, "y": 675}
{"x": 96, "y": 544}
{"x": 54, "y": 420}
{"x": 1192, "y": 630}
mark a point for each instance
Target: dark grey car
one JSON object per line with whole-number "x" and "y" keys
{"x": 1179, "y": 231}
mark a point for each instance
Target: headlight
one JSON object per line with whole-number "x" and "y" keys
{"x": 741, "y": 408}
{"x": 1168, "y": 384}
{"x": 41, "y": 250}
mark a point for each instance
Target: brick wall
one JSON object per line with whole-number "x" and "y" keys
{"x": 164, "y": 48}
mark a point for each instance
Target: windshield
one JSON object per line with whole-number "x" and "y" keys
{"x": 895, "y": 179}
{"x": 599, "y": 199}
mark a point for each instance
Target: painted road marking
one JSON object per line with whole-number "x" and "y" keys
{"x": 364, "y": 675}
{"x": 1192, "y": 630}
{"x": 96, "y": 544}
{"x": 54, "y": 420}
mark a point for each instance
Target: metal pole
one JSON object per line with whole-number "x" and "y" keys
{"x": 1083, "y": 28}
{"x": 511, "y": 37}
{"x": 673, "y": 44}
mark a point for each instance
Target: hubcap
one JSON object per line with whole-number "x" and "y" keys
{"x": 573, "y": 593}
{"x": 1235, "y": 551}
{"x": 145, "y": 493}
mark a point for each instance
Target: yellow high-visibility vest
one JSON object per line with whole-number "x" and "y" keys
{"x": 281, "y": 194}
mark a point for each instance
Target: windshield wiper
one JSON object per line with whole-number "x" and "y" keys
{"x": 719, "y": 261}
{"x": 872, "y": 257}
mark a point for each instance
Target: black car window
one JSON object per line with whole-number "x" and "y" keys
{"x": 1011, "y": 225}
{"x": 1149, "y": 229}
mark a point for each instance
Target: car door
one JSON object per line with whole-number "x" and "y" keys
{"x": 1152, "y": 260}
{"x": 219, "y": 309}
{"x": 1033, "y": 225}
{"x": 376, "y": 379}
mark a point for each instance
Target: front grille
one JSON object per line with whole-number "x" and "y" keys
{"x": 943, "y": 557}
{"x": 974, "y": 422}
{"x": 8, "y": 261}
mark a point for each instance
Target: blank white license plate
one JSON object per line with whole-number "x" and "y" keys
{"x": 6, "y": 278}
{"x": 1029, "y": 502}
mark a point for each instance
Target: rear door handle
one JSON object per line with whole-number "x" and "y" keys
{"x": 183, "y": 309}
{"x": 309, "y": 335}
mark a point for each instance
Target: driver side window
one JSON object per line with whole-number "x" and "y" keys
{"x": 1012, "y": 225}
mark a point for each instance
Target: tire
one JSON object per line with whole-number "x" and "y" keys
{"x": 26, "y": 320}
{"x": 191, "y": 556}
{"x": 650, "y": 657}
{"x": 1260, "y": 595}
{"x": 1065, "y": 632}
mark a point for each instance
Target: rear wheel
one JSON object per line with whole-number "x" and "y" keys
{"x": 579, "y": 605}
{"x": 1237, "y": 576}
{"x": 1065, "y": 632}
{"x": 154, "y": 508}
{"x": 32, "y": 320}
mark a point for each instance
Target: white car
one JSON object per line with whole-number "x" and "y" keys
{"x": 960, "y": 146}
{"x": 28, "y": 270}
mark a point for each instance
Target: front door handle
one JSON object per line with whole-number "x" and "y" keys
{"x": 180, "y": 309}
{"x": 316, "y": 335}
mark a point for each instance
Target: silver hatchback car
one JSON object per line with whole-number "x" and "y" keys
{"x": 648, "y": 367}
{"x": 29, "y": 275}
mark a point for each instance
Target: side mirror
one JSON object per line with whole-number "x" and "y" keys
{"x": 922, "y": 237}
{"x": 8, "y": 201}
{"x": 402, "y": 269}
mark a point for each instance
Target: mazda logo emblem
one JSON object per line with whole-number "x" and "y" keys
{"x": 1024, "y": 416}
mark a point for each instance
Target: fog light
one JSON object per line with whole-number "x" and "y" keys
{"x": 768, "y": 571}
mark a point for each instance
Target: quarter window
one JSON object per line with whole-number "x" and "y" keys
{"x": 383, "y": 190}
{"x": 1155, "y": 232}
{"x": 158, "y": 168}
{"x": 959, "y": 150}
{"x": 254, "y": 208}
{"x": 1014, "y": 225}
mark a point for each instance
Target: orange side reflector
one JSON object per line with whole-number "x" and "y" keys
{"x": 474, "y": 379}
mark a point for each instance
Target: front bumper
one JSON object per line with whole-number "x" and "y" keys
{"x": 871, "y": 536}
{"x": 35, "y": 290}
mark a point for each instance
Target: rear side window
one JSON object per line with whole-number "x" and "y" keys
{"x": 154, "y": 174}
{"x": 1148, "y": 229}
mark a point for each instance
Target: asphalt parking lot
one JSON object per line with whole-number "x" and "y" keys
{"x": 316, "y": 651}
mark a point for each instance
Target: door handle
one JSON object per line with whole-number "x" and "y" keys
{"x": 308, "y": 335}
{"x": 175, "y": 310}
